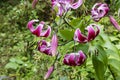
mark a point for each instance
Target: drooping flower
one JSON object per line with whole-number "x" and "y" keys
{"x": 92, "y": 33}
{"x": 99, "y": 10}
{"x": 74, "y": 59}
{"x": 38, "y": 30}
{"x": 47, "y": 48}
{"x": 34, "y": 2}
{"x": 49, "y": 72}
{"x": 64, "y": 5}
{"x": 114, "y": 22}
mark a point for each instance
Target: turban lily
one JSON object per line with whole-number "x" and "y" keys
{"x": 114, "y": 23}
{"x": 64, "y": 5}
{"x": 34, "y": 2}
{"x": 38, "y": 30}
{"x": 74, "y": 59}
{"x": 47, "y": 48}
{"x": 49, "y": 72}
{"x": 92, "y": 33}
{"x": 99, "y": 10}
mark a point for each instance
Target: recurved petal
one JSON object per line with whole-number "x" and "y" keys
{"x": 66, "y": 59}
{"x": 60, "y": 11}
{"x": 43, "y": 42}
{"x": 54, "y": 44}
{"x": 30, "y": 25}
{"x": 38, "y": 29}
{"x": 98, "y": 30}
{"x": 114, "y": 22}
{"x": 72, "y": 59}
{"x": 46, "y": 33}
{"x": 77, "y": 4}
{"x": 91, "y": 33}
{"x": 79, "y": 37}
{"x": 44, "y": 48}
{"x": 96, "y": 6}
{"x": 103, "y": 10}
{"x": 82, "y": 57}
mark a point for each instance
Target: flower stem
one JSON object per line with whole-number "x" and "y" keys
{"x": 56, "y": 59}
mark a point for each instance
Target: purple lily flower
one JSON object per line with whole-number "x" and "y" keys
{"x": 34, "y": 2}
{"x": 38, "y": 31}
{"x": 64, "y": 5}
{"x": 49, "y": 72}
{"x": 114, "y": 23}
{"x": 99, "y": 10}
{"x": 74, "y": 59}
{"x": 47, "y": 48}
{"x": 92, "y": 33}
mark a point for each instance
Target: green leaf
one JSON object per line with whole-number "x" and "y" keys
{"x": 100, "y": 62}
{"x": 112, "y": 55}
{"x": 99, "y": 68}
{"x": 114, "y": 66}
{"x": 67, "y": 47}
{"x": 102, "y": 54}
{"x": 83, "y": 47}
{"x": 17, "y": 60}
{"x": 12, "y": 65}
{"x": 66, "y": 34}
{"x": 77, "y": 23}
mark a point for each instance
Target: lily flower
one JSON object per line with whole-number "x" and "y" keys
{"x": 74, "y": 59}
{"x": 49, "y": 72}
{"x": 38, "y": 30}
{"x": 64, "y": 5}
{"x": 34, "y": 2}
{"x": 99, "y": 10}
{"x": 114, "y": 22}
{"x": 47, "y": 48}
{"x": 92, "y": 33}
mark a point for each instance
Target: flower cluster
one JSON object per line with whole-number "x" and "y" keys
{"x": 98, "y": 11}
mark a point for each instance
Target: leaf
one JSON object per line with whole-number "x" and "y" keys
{"x": 114, "y": 66}
{"x": 67, "y": 47}
{"x": 83, "y": 47}
{"x": 100, "y": 62}
{"x": 102, "y": 54}
{"x": 112, "y": 55}
{"x": 66, "y": 34}
{"x": 12, "y": 65}
{"x": 99, "y": 68}
{"x": 17, "y": 60}
{"x": 77, "y": 23}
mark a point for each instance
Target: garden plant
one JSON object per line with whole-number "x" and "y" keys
{"x": 60, "y": 40}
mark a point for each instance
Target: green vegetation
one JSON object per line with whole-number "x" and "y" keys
{"x": 20, "y": 59}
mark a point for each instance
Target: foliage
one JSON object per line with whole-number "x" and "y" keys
{"x": 20, "y": 59}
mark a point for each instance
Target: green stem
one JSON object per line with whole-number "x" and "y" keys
{"x": 56, "y": 59}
